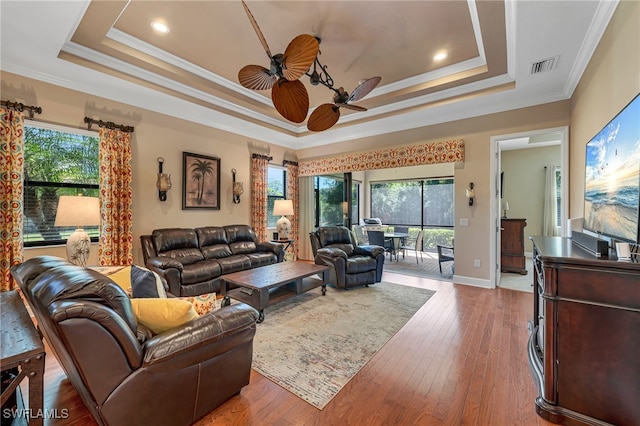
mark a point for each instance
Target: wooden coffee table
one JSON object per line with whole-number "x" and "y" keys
{"x": 254, "y": 284}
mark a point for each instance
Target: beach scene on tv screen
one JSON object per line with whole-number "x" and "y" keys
{"x": 612, "y": 176}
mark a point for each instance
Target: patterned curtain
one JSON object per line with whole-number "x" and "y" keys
{"x": 293, "y": 194}
{"x": 259, "y": 171}
{"x": 11, "y": 193}
{"x": 116, "y": 219}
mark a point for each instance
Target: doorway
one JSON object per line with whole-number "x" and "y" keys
{"x": 511, "y": 146}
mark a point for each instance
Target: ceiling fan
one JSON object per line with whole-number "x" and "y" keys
{"x": 288, "y": 94}
{"x": 326, "y": 115}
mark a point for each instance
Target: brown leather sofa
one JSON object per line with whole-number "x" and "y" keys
{"x": 124, "y": 374}
{"x": 350, "y": 265}
{"x": 193, "y": 261}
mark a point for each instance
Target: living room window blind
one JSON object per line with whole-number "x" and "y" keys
{"x": 58, "y": 161}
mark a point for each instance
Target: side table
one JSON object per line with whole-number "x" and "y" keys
{"x": 288, "y": 244}
{"x": 22, "y": 348}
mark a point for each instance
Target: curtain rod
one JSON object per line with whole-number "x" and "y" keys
{"x": 262, "y": 157}
{"x": 108, "y": 125}
{"x": 19, "y": 106}
{"x": 286, "y": 162}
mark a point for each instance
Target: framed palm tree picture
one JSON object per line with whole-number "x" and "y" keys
{"x": 200, "y": 181}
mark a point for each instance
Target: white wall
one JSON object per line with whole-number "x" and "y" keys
{"x": 523, "y": 186}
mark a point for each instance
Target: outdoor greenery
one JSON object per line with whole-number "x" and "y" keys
{"x": 425, "y": 202}
{"x": 56, "y": 163}
{"x": 330, "y": 192}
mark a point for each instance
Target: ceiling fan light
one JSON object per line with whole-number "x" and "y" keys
{"x": 314, "y": 78}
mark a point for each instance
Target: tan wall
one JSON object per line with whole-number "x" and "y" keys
{"x": 155, "y": 135}
{"x": 524, "y": 182}
{"x": 610, "y": 81}
{"x": 159, "y": 135}
{"x": 476, "y": 133}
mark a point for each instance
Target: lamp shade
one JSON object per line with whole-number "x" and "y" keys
{"x": 77, "y": 211}
{"x": 283, "y": 208}
{"x": 283, "y": 225}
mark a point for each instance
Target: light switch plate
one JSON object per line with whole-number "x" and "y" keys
{"x": 464, "y": 221}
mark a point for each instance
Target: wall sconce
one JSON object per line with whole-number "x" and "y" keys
{"x": 470, "y": 193}
{"x": 163, "y": 182}
{"x": 238, "y": 190}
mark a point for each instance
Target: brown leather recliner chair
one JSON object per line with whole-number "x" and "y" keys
{"x": 350, "y": 265}
{"x": 124, "y": 374}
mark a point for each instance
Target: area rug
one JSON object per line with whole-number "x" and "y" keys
{"x": 312, "y": 345}
{"x": 425, "y": 268}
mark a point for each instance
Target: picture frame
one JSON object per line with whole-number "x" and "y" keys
{"x": 200, "y": 181}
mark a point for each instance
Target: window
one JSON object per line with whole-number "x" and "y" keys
{"x": 330, "y": 200}
{"x": 276, "y": 190}
{"x": 58, "y": 161}
{"x": 418, "y": 204}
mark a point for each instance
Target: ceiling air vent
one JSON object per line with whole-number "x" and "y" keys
{"x": 544, "y": 65}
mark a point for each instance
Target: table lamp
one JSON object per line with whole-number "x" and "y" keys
{"x": 283, "y": 225}
{"x": 505, "y": 208}
{"x": 78, "y": 211}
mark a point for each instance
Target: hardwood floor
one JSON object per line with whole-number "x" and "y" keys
{"x": 460, "y": 360}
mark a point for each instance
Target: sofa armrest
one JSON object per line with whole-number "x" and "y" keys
{"x": 169, "y": 269}
{"x": 205, "y": 330}
{"x": 163, "y": 262}
{"x": 277, "y": 248}
{"x": 330, "y": 252}
{"x": 373, "y": 251}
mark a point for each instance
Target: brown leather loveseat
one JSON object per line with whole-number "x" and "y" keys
{"x": 193, "y": 261}
{"x": 124, "y": 373}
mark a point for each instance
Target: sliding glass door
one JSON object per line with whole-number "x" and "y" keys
{"x": 337, "y": 200}
{"x": 425, "y": 204}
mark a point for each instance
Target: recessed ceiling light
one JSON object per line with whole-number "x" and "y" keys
{"x": 440, "y": 56}
{"x": 160, "y": 27}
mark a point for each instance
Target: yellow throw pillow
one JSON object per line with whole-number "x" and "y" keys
{"x": 160, "y": 315}
{"x": 123, "y": 278}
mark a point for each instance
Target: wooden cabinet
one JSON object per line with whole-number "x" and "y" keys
{"x": 584, "y": 349}
{"x": 512, "y": 246}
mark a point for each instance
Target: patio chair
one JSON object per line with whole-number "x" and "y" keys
{"x": 445, "y": 254}
{"x": 402, "y": 242}
{"x": 361, "y": 235}
{"x": 376, "y": 238}
{"x": 416, "y": 246}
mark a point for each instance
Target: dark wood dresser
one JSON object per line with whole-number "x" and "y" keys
{"x": 512, "y": 246}
{"x": 584, "y": 347}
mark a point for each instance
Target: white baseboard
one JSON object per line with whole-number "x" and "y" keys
{"x": 475, "y": 282}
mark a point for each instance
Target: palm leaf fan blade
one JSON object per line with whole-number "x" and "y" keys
{"x": 256, "y": 77}
{"x": 290, "y": 99}
{"x": 299, "y": 56}
{"x": 323, "y": 117}
{"x": 353, "y": 107}
{"x": 364, "y": 88}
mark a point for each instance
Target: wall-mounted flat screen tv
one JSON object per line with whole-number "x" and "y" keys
{"x": 612, "y": 177}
